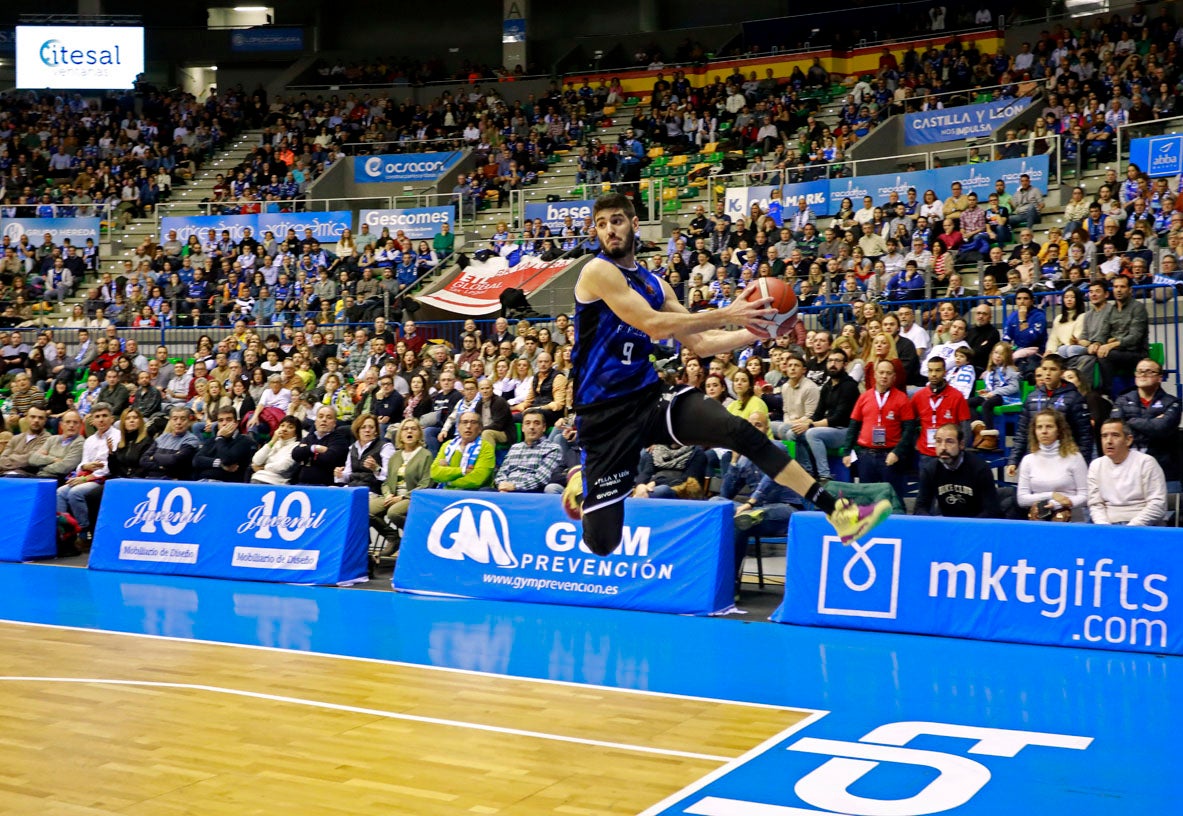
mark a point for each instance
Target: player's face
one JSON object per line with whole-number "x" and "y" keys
{"x": 616, "y": 232}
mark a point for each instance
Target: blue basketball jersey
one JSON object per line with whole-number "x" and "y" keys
{"x": 611, "y": 358}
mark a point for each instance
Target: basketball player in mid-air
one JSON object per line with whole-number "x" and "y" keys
{"x": 622, "y": 405}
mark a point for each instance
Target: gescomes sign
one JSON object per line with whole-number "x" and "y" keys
{"x": 962, "y": 122}
{"x": 311, "y": 535}
{"x": 1051, "y": 584}
{"x": 402, "y": 167}
{"x": 79, "y": 57}
{"x": 674, "y": 556}
{"x": 417, "y": 223}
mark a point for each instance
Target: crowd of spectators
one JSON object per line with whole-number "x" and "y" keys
{"x": 214, "y": 280}
{"x": 406, "y": 71}
{"x": 1056, "y": 328}
{"x": 304, "y": 406}
{"x": 63, "y": 155}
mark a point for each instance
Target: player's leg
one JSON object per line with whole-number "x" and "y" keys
{"x": 695, "y": 420}
{"x": 597, "y": 488}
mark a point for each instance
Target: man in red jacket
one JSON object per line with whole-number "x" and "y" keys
{"x": 938, "y": 404}
{"x": 882, "y": 430}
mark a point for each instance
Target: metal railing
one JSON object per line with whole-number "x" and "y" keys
{"x": 1027, "y": 147}
{"x": 355, "y": 204}
{"x": 405, "y": 145}
{"x": 342, "y": 83}
{"x": 1162, "y": 302}
{"x": 1028, "y": 88}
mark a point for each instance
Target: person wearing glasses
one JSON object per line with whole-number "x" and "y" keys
{"x": 467, "y": 461}
{"x": 1152, "y": 415}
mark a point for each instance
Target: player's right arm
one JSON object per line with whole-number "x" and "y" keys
{"x": 600, "y": 280}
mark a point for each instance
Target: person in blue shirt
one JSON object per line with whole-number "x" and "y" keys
{"x": 906, "y": 285}
{"x": 1026, "y": 328}
{"x": 621, "y": 310}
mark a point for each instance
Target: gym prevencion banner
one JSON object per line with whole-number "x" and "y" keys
{"x": 306, "y": 535}
{"x": 674, "y": 556}
{"x": 1099, "y": 587}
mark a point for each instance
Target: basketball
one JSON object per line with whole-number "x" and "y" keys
{"x": 784, "y": 300}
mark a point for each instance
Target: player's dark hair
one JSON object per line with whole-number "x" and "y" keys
{"x": 614, "y": 201}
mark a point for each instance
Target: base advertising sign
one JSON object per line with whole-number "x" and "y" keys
{"x": 674, "y": 556}
{"x": 554, "y": 214}
{"x": 306, "y": 535}
{"x": 417, "y": 223}
{"x": 403, "y": 167}
{"x": 30, "y": 515}
{"x": 1158, "y": 156}
{"x": 1049, "y": 584}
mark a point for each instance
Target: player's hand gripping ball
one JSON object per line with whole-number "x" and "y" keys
{"x": 784, "y": 301}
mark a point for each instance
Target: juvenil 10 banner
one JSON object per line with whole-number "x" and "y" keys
{"x": 1084, "y": 585}
{"x": 306, "y": 535}
{"x": 674, "y": 556}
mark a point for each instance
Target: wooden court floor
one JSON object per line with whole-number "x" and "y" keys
{"x": 101, "y": 723}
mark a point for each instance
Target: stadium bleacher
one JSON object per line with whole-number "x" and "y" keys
{"x": 681, "y": 140}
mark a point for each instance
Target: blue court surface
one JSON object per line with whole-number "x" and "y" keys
{"x": 904, "y": 725}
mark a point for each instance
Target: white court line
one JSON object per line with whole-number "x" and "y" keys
{"x": 405, "y": 664}
{"x": 494, "y": 729}
{"x": 731, "y": 765}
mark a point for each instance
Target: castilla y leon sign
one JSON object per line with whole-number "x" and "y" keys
{"x": 962, "y": 122}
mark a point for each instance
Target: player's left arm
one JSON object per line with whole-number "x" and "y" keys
{"x": 709, "y": 342}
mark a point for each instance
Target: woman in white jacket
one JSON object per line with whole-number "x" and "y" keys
{"x": 272, "y": 463}
{"x": 1053, "y": 474}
